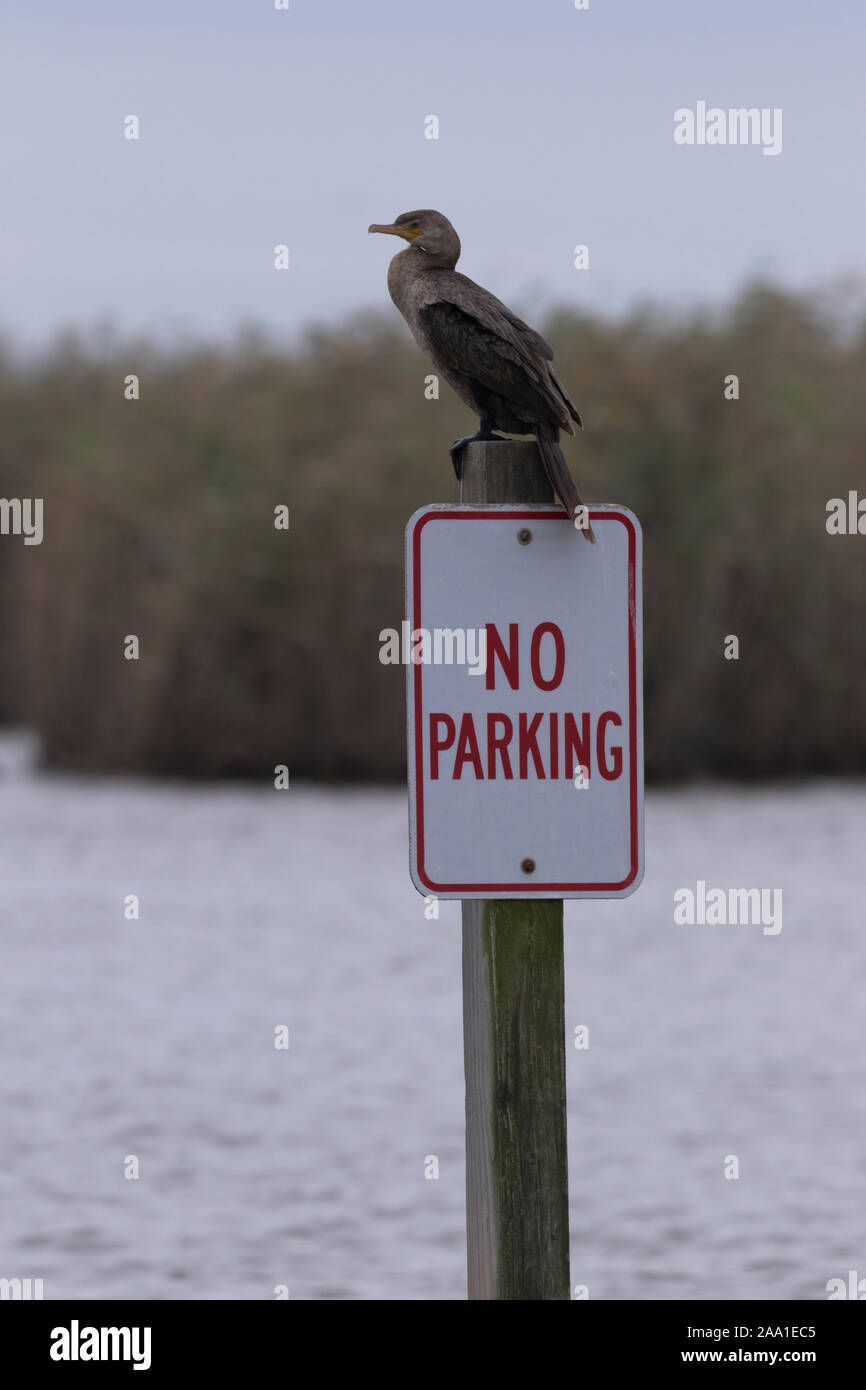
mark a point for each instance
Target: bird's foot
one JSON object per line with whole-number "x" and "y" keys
{"x": 456, "y": 450}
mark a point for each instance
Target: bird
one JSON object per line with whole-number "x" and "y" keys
{"x": 495, "y": 362}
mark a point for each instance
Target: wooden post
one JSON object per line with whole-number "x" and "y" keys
{"x": 514, "y": 1030}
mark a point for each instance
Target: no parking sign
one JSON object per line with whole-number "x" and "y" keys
{"x": 525, "y": 703}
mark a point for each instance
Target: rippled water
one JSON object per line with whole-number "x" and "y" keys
{"x": 261, "y": 1167}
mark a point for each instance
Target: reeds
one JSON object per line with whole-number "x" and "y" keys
{"x": 260, "y": 646}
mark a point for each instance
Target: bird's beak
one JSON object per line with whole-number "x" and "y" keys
{"x": 393, "y": 230}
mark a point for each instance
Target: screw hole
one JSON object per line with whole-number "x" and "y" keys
{"x": 528, "y": 866}
{"x": 524, "y": 536}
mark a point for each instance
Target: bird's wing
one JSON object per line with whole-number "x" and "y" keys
{"x": 492, "y": 312}
{"x": 541, "y": 346}
{"x": 474, "y": 334}
{"x": 490, "y": 309}
{"x": 565, "y": 398}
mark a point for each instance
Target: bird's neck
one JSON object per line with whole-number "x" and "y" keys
{"x": 407, "y": 272}
{"x": 414, "y": 260}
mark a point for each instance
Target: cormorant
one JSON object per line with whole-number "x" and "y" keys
{"x": 495, "y": 362}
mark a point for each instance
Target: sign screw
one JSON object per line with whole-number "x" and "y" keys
{"x": 528, "y": 866}
{"x": 524, "y": 535}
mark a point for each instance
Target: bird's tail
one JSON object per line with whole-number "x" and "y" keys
{"x": 561, "y": 480}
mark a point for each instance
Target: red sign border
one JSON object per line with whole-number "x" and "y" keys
{"x": 533, "y": 889}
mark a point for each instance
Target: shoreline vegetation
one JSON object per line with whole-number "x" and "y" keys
{"x": 261, "y": 646}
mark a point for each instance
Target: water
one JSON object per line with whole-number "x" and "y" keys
{"x": 260, "y": 1167}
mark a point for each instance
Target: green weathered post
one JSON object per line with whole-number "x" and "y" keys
{"x": 514, "y": 1030}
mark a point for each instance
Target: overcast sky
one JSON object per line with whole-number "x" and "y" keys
{"x": 260, "y": 126}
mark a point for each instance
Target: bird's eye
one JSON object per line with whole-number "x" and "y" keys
{"x": 413, "y": 226}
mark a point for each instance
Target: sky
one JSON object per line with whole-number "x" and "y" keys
{"x": 260, "y": 127}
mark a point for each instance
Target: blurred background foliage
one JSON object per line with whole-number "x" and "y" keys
{"x": 261, "y": 646}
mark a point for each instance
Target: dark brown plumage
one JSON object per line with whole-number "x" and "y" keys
{"x": 495, "y": 362}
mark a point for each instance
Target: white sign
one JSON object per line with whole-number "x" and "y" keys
{"x": 525, "y": 699}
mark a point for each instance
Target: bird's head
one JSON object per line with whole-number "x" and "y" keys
{"x": 427, "y": 232}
